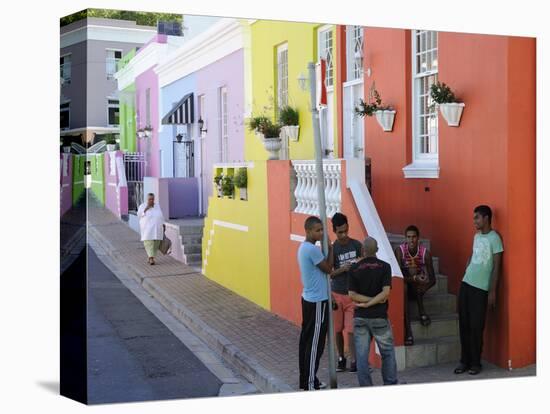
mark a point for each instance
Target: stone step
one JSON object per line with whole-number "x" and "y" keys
{"x": 435, "y": 304}
{"x": 426, "y": 352}
{"x": 435, "y": 261}
{"x": 441, "y": 326}
{"x": 191, "y": 239}
{"x": 191, "y": 248}
{"x": 193, "y": 259}
{"x": 191, "y": 229}
{"x": 441, "y": 285}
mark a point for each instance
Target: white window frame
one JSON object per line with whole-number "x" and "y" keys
{"x": 424, "y": 165}
{"x": 108, "y": 60}
{"x": 63, "y": 68}
{"x": 282, "y": 76}
{"x": 68, "y": 109}
{"x": 224, "y": 125}
{"x": 321, "y": 48}
{"x": 112, "y": 105}
{"x": 352, "y": 71}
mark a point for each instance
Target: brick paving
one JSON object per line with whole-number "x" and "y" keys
{"x": 262, "y": 336}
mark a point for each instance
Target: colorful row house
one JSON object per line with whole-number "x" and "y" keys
{"x": 420, "y": 169}
{"x": 408, "y": 165}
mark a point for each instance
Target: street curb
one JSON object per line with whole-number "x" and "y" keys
{"x": 249, "y": 368}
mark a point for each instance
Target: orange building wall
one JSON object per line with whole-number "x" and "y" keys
{"x": 285, "y": 283}
{"x": 489, "y": 159}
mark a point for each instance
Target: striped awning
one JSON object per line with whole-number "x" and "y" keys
{"x": 182, "y": 113}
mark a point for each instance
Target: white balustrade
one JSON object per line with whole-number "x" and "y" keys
{"x": 305, "y": 192}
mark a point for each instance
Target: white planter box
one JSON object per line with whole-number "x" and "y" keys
{"x": 452, "y": 112}
{"x": 291, "y": 131}
{"x": 273, "y": 145}
{"x": 111, "y": 147}
{"x": 66, "y": 149}
{"x": 259, "y": 135}
{"x": 385, "y": 118}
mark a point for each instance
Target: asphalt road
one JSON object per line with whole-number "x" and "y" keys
{"x": 132, "y": 356}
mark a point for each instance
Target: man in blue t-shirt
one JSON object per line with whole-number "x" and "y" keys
{"x": 314, "y": 268}
{"x": 477, "y": 290}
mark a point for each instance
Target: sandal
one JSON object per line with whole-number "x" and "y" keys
{"x": 461, "y": 369}
{"x": 409, "y": 340}
{"x": 474, "y": 370}
{"x": 425, "y": 320}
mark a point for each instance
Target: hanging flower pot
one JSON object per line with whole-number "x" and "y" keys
{"x": 385, "y": 118}
{"x": 291, "y": 131}
{"x": 452, "y": 112}
{"x": 111, "y": 147}
{"x": 67, "y": 149}
{"x": 450, "y": 108}
{"x": 243, "y": 194}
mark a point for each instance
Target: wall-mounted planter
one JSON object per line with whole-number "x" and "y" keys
{"x": 243, "y": 194}
{"x": 452, "y": 112}
{"x": 385, "y": 118}
{"x": 66, "y": 150}
{"x": 111, "y": 147}
{"x": 291, "y": 131}
{"x": 273, "y": 145}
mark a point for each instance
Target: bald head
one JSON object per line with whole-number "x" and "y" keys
{"x": 371, "y": 246}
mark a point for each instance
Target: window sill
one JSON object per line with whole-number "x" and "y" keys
{"x": 421, "y": 170}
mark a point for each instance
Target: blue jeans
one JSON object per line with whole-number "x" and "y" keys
{"x": 364, "y": 329}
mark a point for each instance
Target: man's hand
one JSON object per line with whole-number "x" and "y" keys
{"x": 492, "y": 299}
{"x": 361, "y": 304}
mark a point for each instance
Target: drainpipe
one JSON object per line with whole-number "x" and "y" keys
{"x": 323, "y": 214}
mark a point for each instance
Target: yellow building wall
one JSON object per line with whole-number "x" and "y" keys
{"x": 302, "y": 49}
{"x": 237, "y": 259}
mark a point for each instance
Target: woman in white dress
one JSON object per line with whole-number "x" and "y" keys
{"x": 151, "y": 224}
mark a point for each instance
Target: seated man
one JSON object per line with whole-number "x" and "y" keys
{"x": 418, "y": 272}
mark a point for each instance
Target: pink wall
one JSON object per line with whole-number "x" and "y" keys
{"x": 149, "y": 79}
{"x": 65, "y": 182}
{"x": 116, "y": 192}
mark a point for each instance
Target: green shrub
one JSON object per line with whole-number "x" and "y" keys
{"x": 228, "y": 187}
{"x": 241, "y": 179}
{"x": 288, "y": 116}
{"x": 441, "y": 93}
{"x": 272, "y": 130}
{"x": 258, "y": 123}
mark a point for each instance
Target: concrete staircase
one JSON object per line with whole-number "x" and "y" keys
{"x": 190, "y": 239}
{"x": 439, "y": 342}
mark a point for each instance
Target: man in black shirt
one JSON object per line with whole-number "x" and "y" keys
{"x": 369, "y": 287}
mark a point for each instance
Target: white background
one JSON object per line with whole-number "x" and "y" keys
{"x": 29, "y": 288}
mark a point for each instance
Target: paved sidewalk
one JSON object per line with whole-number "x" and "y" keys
{"x": 259, "y": 344}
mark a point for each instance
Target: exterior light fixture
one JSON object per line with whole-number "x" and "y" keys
{"x": 200, "y": 122}
{"x": 302, "y": 81}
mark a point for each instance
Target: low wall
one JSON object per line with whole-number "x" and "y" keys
{"x": 116, "y": 189}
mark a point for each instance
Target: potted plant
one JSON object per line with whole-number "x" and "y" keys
{"x": 218, "y": 181}
{"x": 450, "y": 108}
{"x": 272, "y": 139}
{"x": 288, "y": 118}
{"x": 110, "y": 141}
{"x": 241, "y": 181}
{"x": 385, "y": 114}
{"x": 258, "y": 123}
{"x": 228, "y": 187}
{"x": 148, "y": 130}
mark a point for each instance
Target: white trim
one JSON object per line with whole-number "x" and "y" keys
{"x": 353, "y": 82}
{"x": 221, "y": 39}
{"x": 112, "y": 184}
{"x": 228, "y": 225}
{"x": 65, "y": 185}
{"x": 106, "y": 33}
{"x": 247, "y": 164}
{"x": 421, "y": 170}
{"x": 297, "y": 238}
{"x": 144, "y": 60}
{"x": 320, "y": 30}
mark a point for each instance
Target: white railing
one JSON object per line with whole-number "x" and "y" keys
{"x": 305, "y": 192}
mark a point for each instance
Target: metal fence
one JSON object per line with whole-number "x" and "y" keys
{"x": 134, "y": 166}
